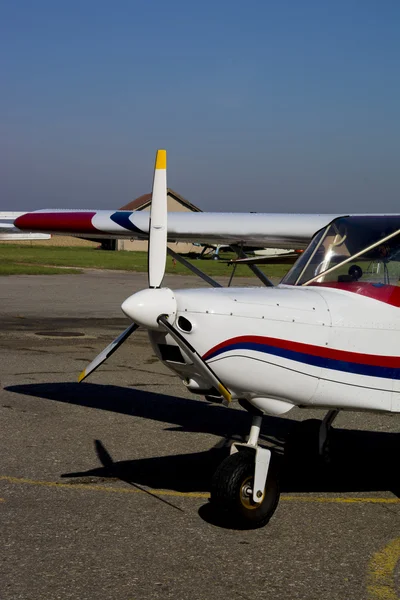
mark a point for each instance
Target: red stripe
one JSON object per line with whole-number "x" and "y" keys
{"x": 72, "y": 222}
{"x": 389, "y": 294}
{"x": 322, "y": 351}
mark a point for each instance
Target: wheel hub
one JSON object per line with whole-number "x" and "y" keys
{"x": 246, "y": 494}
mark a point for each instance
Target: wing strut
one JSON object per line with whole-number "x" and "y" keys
{"x": 192, "y": 268}
{"x": 257, "y": 272}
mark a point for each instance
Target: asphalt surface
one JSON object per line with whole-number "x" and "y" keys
{"x": 104, "y": 485}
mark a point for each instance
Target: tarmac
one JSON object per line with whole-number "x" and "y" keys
{"x": 104, "y": 485}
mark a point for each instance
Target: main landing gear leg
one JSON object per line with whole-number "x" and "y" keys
{"x": 310, "y": 440}
{"x": 323, "y": 435}
{"x": 245, "y": 487}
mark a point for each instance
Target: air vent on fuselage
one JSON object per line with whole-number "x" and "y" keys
{"x": 171, "y": 353}
{"x": 185, "y": 324}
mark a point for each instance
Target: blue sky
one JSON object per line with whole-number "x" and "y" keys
{"x": 262, "y": 105}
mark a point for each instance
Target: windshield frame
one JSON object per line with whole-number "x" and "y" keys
{"x": 317, "y": 246}
{"x": 352, "y": 257}
{"x": 347, "y": 239}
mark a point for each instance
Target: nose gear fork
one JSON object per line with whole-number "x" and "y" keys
{"x": 245, "y": 487}
{"x": 262, "y": 459}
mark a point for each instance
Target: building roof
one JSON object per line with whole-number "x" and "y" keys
{"x": 143, "y": 202}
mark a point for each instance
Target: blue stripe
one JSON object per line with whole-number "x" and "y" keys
{"x": 122, "y": 218}
{"x": 314, "y": 361}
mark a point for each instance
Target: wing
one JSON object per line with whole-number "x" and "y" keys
{"x": 271, "y": 230}
{"x": 9, "y": 232}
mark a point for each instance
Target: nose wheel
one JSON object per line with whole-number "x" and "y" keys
{"x": 232, "y": 492}
{"x": 245, "y": 487}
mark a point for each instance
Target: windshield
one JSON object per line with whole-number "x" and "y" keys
{"x": 342, "y": 253}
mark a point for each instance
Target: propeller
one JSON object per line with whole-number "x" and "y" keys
{"x": 157, "y": 256}
{"x": 104, "y": 354}
{"x": 156, "y": 307}
{"x": 157, "y": 252}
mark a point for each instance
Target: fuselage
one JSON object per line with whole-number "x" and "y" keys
{"x": 290, "y": 346}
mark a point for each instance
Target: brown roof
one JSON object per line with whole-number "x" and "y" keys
{"x": 143, "y": 201}
{"x": 138, "y": 204}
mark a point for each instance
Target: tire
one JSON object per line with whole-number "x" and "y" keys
{"x": 228, "y": 492}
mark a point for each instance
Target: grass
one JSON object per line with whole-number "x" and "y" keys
{"x": 39, "y": 259}
{"x": 17, "y": 269}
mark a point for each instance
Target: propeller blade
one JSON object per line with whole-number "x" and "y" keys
{"x": 204, "y": 368}
{"x": 157, "y": 255}
{"x": 104, "y": 354}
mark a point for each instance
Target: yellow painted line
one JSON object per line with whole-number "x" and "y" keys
{"x": 341, "y": 500}
{"x": 381, "y": 584}
{"x": 130, "y": 490}
{"x": 102, "y": 488}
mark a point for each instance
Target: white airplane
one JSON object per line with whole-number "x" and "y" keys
{"x": 326, "y": 337}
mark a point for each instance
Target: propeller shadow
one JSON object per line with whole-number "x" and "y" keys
{"x": 183, "y": 414}
{"x": 181, "y": 473}
{"x": 362, "y": 461}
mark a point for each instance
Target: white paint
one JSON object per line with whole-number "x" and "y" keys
{"x": 271, "y": 406}
{"x": 314, "y": 316}
{"x": 157, "y": 254}
{"x": 146, "y": 306}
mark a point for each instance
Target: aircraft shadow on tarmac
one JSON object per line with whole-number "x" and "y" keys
{"x": 361, "y": 461}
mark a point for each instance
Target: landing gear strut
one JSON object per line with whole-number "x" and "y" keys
{"x": 310, "y": 439}
{"x": 245, "y": 487}
{"x": 323, "y": 435}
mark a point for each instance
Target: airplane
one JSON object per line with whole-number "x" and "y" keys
{"x": 325, "y": 337}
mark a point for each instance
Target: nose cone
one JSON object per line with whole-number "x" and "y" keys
{"x": 146, "y": 306}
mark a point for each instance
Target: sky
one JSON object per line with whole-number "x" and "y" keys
{"x": 269, "y": 106}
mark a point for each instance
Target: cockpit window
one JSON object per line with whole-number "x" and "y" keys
{"x": 353, "y": 241}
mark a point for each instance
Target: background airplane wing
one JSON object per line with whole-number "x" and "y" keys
{"x": 250, "y": 229}
{"x": 9, "y": 232}
{"x": 7, "y": 222}
{"x": 280, "y": 259}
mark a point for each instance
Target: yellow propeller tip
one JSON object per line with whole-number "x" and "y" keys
{"x": 82, "y": 376}
{"x": 161, "y": 159}
{"x": 224, "y": 392}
